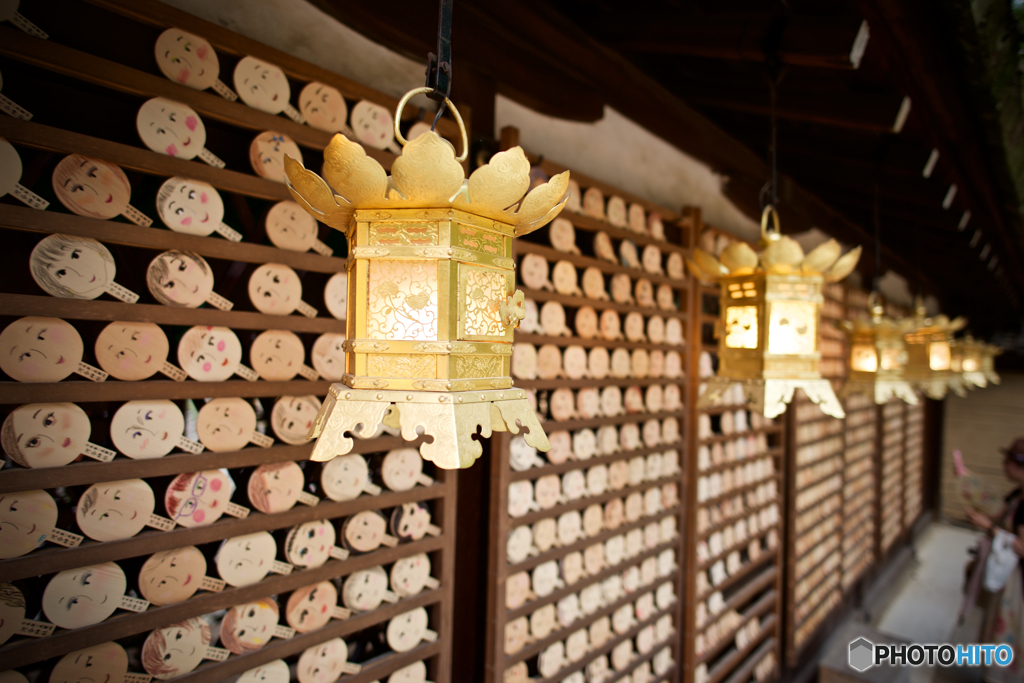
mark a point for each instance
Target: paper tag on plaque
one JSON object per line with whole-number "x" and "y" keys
{"x": 307, "y": 498}
{"x": 217, "y": 654}
{"x": 208, "y": 583}
{"x": 90, "y": 372}
{"x": 389, "y": 596}
{"x": 173, "y": 371}
{"x": 29, "y": 197}
{"x": 35, "y": 629}
{"x": 188, "y": 445}
{"x": 340, "y": 612}
{"x": 137, "y": 678}
{"x": 424, "y": 480}
{"x": 433, "y": 530}
{"x": 137, "y": 217}
{"x": 27, "y": 26}
{"x": 64, "y": 538}
{"x": 322, "y": 249}
{"x": 389, "y": 541}
{"x": 228, "y": 232}
{"x": 224, "y": 91}
{"x": 217, "y": 301}
{"x": 350, "y": 668}
{"x": 339, "y": 553}
{"x": 431, "y": 583}
{"x": 133, "y": 604}
{"x": 158, "y": 522}
{"x": 9, "y": 106}
{"x": 98, "y": 452}
{"x": 309, "y": 373}
{"x": 429, "y": 636}
{"x": 261, "y": 440}
{"x": 293, "y": 113}
{"x": 236, "y": 510}
{"x": 279, "y": 567}
{"x": 211, "y": 158}
{"x": 246, "y": 373}
{"x": 284, "y": 632}
{"x": 119, "y": 292}
{"x": 306, "y": 310}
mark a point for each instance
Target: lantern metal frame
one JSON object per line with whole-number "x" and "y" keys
{"x": 929, "y": 353}
{"x": 769, "y": 330}
{"x": 884, "y": 338}
{"x": 432, "y": 303}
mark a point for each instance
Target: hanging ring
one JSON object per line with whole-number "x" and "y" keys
{"x": 764, "y": 220}
{"x": 462, "y": 126}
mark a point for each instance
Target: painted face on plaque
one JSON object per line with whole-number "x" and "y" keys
{"x": 113, "y": 510}
{"x": 329, "y": 356}
{"x": 131, "y": 351}
{"x": 272, "y": 672}
{"x": 198, "y": 498}
{"x": 309, "y": 544}
{"x": 345, "y": 477}
{"x": 103, "y": 663}
{"x": 373, "y": 124}
{"x": 275, "y": 289}
{"x": 267, "y": 153}
{"x": 12, "y": 611}
{"x": 323, "y": 107}
{"x": 171, "y": 576}
{"x": 171, "y": 128}
{"x": 245, "y": 560}
{"x": 175, "y": 649}
{"x": 147, "y": 429}
{"x": 277, "y": 355}
{"x": 290, "y": 227}
{"x": 275, "y": 487}
{"x": 311, "y": 607}
{"x": 180, "y": 279}
{"x": 209, "y": 354}
{"x": 249, "y": 626}
{"x": 84, "y": 596}
{"x": 323, "y": 663}
{"x": 45, "y": 434}
{"x": 91, "y": 187}
{"x": 336, "y": 296}
{"x": 226, "y": 424}
{"x": 189, "y": 206}
{"x": 72, "y": 267}
{"x": 187, "y": 59}
{"x": 25, "y": 519}
{"x": 293, "y": 416}
{"x": 262, "y": 85}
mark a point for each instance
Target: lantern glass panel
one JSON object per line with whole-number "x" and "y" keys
{"x": 893, "y": 358}
{"x": 741, "y": 327}
{"x": 792, "y": 328}
{"x": 863, "y": 358}
{"x": 939, "y": 355}
{"x": 971, "y": 364}
{"x": 402, "y": 300}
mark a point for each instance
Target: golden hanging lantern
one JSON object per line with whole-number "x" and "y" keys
{"x": 878, "y": 356}
{"x": 988, "y": 362}
{"x": 971, "y": 355}
{"x": 431, "y": 280}
{"x": 929, "y": 353}
{"x": 769, "y": 329}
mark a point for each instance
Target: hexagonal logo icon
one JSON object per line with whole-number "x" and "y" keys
{"x": 862, "y": 654}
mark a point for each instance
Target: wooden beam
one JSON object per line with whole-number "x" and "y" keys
{"x": 820, "y": 42}
{"x": 877, "y": 113}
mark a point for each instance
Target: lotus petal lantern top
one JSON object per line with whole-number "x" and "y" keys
{"x": 781, "y": 255}
{"x": 432, "y": 304}
{"x": 878, "y": 355}
{"x": 426, "y": 175}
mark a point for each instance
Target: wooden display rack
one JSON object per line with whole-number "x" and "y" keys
{"x": 755, "y": 591}
{"x": 501, "y": 524}
{"x": 103, "y": 53}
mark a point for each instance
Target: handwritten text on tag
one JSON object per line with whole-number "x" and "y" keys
{"x": 261, "y": 440}
{"x": 8, "y": 106}
{"x": 217, "y": 654}
{"x": 188, "y": 445}
{"x": 208, "y": 583}
{"x": 123, "y": 293}
{"x": 279, "y": 567}
{"x": 217, "y": 301}
{"x": 90, "y": 372}
{"x": 173, "y": 371}
{"x": 35, "y": 629}
{"x": 64, "y": 538}
{"x": 133, "y": 604}
{"x": 211, "y": 158}
{"x": 228, "y": 232}
{"x": 322, "y": 249}
{"x": 29, "y": 197}
{"x": 137, "y": 217}
{"x": 309, "y": 373}
{"x": 236, "y": 510}
{"x": 224, "y": 91}
{"x": 306, "y": 310}
{"x": 246, "y": 373}
{"x": 98, "y": 452}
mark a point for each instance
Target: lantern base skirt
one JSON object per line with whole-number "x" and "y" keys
{"x": 452, "y": 419}
{"x": 771, "y": 396}
{"x": 882, "y": 391}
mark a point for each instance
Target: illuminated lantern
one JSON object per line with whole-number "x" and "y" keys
{"x": 929, "y": 352}
{"x": 769, "y": 329}
{"x": 988, "y": 362}
{"x": 972, "y": 361}
{"x": 878, "y": 356}
{"x": 431, "y": 291}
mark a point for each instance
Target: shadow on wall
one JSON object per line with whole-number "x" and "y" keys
{"x": 979, "y": 425}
